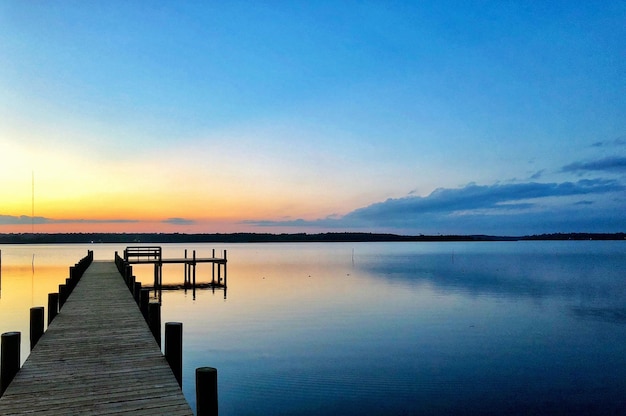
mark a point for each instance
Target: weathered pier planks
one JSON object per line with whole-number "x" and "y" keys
{"x": 98, "y": 356}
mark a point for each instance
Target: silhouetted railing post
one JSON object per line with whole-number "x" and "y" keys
{"x": 174, "y": 349}
{"x": 206, "y": 391}
{"x": 36, "y": 325}
{"x": 9, "y": 358}
{"x": 53, "y": 306}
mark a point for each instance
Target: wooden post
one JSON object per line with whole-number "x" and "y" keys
{"x": 213, "y": 268}
{"x": 154, "y": 314}
{"x": 206, "y": 391}
{"x": 225, "y": 268}
{"x": 131, "y": 284}
{"x": 128, "y": 271}
{"x": 9, "y": 359}
{"x": 174, "y": 349}
{"x": 194, "y": 270}
{"x": 62, "y": 295}
{"x": 145, "y": 300}
{"x": 186, "y": 270}
{"x": 53, "y": 306}
{"x": 137, "y": 293}
{"x": 160, "y": 280}
{"x": 36, "y": 325}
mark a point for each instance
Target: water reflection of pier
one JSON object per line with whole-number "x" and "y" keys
{"x": 154, "y": 255}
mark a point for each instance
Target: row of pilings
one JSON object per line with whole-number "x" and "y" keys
{"x": 10, "y": 358}
{"x": 206, "y": 377}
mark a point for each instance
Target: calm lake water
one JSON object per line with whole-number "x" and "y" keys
{"x": 518, "y": 328}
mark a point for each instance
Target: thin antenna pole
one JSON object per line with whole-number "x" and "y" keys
{"x": 32, "y": 216}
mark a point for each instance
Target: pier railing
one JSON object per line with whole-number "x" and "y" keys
{"x": 153, "y": 253}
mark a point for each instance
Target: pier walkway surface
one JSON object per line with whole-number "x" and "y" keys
{"x": 98, "y": 356}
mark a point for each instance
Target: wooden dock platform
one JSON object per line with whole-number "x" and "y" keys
{"x": 154, "y": 255}
{"x": 98, "y": 356}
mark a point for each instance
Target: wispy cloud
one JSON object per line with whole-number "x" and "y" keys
{"x": 25, "y": 219}
{"x": 537, "y": 174}
{"x": 609, "y": 164}
{"x": 179, "y": 221}
{"x": 620, "y": 141}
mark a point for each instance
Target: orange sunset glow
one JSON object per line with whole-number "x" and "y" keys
{"x": 407, "y": 119}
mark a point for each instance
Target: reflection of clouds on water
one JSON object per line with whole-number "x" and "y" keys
{"x": 611, "y": 315}
{"x": 591, "y": 279}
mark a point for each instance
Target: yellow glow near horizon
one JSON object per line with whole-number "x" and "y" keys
{"x": 184, "y": 183}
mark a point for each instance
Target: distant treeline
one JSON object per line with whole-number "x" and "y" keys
{"x": 138, "y": 238}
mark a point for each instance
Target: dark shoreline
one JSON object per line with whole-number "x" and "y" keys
{"x": 136, "y": 238}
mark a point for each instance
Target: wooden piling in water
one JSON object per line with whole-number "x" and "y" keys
{"x": 131, "y": 284}
{"x": 128, "y": 272}
{"x": 53, "y": 306}
{"x": 174, "y": 349}
{"x": 36, "y": 325}
{"x": 62, "y": 295}
{"x": 186, "y": 266}
{"x": 206, "y": 391}
{"x": 137, "y": 293}
{"x": 154, "y": 320}
{"x": 145, "y": 300}
{"x": 194, "y": 275}
{"x": 9, "y": 358}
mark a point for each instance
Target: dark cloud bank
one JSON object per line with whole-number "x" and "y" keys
{"x": 589, "y": 205}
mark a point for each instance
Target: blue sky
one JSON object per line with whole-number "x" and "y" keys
{"x": 407, "y": 117}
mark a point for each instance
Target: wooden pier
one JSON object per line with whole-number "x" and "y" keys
{"x": 154, "y": 255}
{"x": 98, "y": 356}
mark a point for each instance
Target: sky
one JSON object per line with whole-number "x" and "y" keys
{"x": 409, "y": 117}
